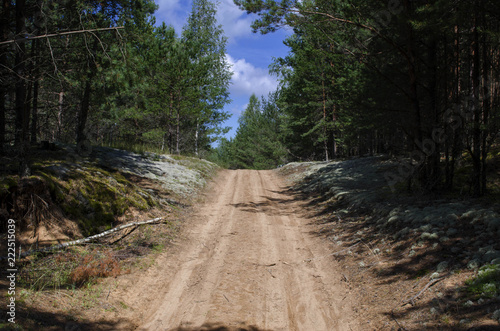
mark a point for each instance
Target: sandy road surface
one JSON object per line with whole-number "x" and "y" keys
{"x": 248, "y": 259}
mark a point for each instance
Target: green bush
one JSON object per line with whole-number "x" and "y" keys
{"x": 487, "y": 282}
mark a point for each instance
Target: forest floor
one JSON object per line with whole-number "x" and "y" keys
{"x": 311, "y": 246}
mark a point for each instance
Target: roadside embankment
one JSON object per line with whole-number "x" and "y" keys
{"x": 407, "y": 241}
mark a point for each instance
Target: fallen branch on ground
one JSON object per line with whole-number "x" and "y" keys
{"x": 427, "y": 286}
{"x": 91, "y": 238}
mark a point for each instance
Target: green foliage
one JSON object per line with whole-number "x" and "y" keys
{"x": 114, "y": 76}
{"x": 409, "y": 78}
{"x": 487, "y": 282}
{"x": 257, "y": 144}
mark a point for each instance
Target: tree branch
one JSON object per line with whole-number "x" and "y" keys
{"x": 58, "y": 34}
{"x": 91, "y": 238}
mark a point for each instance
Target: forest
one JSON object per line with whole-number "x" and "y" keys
{"x": 416, "y": 80}
{"x": 104, "y": 73}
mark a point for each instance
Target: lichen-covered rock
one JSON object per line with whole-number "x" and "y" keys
{"x": 496, "y": 315}
{"x": 429, "y": 236}
{"x": 441, "y": 267}
{"x": 474, "y": 264}
{"x": 491, "y": 255}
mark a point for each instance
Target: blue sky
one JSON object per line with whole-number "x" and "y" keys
{"x": 249, "y": 54}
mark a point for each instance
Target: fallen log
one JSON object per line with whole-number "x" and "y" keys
{"x": 88, "y": 239}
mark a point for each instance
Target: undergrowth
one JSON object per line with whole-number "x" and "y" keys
{"x": 487, "y": 282}
{"x": 71, "y": 268}
{"x": 141, "y": 149}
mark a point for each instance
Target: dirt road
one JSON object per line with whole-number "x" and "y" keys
{"x": 247, "y": 259}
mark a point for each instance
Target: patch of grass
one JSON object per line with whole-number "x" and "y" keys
{"x": 10, "y": 326}
{"x": 69, "y": 269}
{"x": 141, "y": 149}
{"x": 158, "y": 247}
{"x": 421, "y": 273}
{"x": 91, "y": 296}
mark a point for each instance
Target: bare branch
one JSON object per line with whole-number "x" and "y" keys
{"x": 58, "y": 34}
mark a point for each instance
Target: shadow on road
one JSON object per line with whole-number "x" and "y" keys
{"x": 219, "y": 327}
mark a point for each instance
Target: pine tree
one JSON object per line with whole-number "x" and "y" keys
{"x": 211, "y": 74}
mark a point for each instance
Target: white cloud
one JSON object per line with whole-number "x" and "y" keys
{"x": 172, "y": 12}
{"x": 248, "y": 79}
{"x": 235, "y": 22}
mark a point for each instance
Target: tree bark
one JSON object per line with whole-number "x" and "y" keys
{"x": 36, "y": 84}
{"x": 475, "y": 151}
{"x": 178, "y": 132}
{"x": 85, "y": 103}
{"x": 325, "y": 129}
{"x": 413, "y": 86}
{"x": 4, "y": 34}
{"x": 22, "y": 111}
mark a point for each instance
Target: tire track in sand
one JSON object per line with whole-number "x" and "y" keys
{"x": 249, "y": 260}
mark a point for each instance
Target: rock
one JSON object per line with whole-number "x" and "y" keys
{"x": 451, "y": 232}
{"x": 426, "y": 228}
{"x": 392, "y": 220}
{"x": 441, "y": 267}
{"x": 496, "y": 315}
{"x": 429, "y": 236}
{"x": 451, "y": 218}
{"x": 491, "y": 255}
{"x": 493, "y": 224}
{"x": 59, "y": 171}
{"x": 474, "y": 264}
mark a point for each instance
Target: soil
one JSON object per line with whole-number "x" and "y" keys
{"x": 248, "y": 259}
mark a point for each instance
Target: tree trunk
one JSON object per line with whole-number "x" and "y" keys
{"x": 196, "y": 137}
{"x": 83, "y": 113}
{"x": 418, "y": 139}
{"x": 19, "y": 69}
{"x": 4, "y": 35}
{"x": 456, "y": 91}
{"x": 433, "y": 165}
{"x": 22, "y": 111}
{"x": 60, "y": 109}
{"x": 178, "y": 132}
{"x": 486, "y": 107}
{"x": 325, "y": 129}
{"x": 85, "y": 104}
{"x": 34, "y": 107}
{"x": 477, "y": 190}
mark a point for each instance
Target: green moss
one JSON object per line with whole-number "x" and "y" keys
{"x": 8, "y": 182}
{"x": 93, "y": 196}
